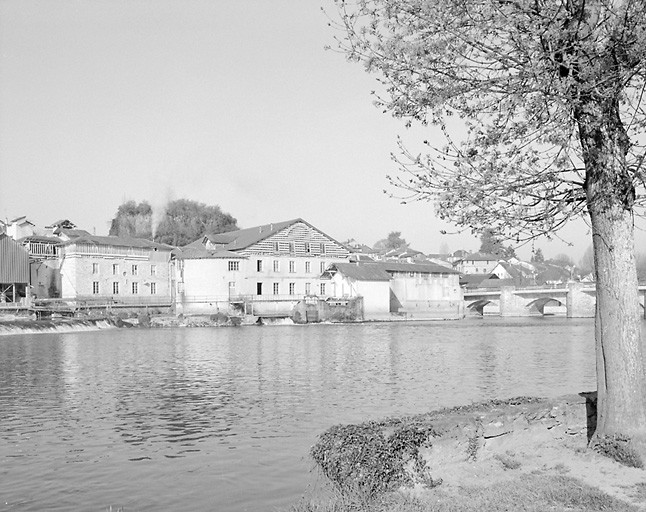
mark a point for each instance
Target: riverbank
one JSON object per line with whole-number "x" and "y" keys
{"x": 521, "y": 454}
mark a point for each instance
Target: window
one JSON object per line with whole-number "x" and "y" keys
{"x": 276, "y": 266}
{"x": 95, "y": 268}
{"x": 308, "y": 288}
{"x": 258, "y": 288}
{"x": 275, "y": 288}
{"x": 153, "y": 270}
{"x": 135, "y": 288}
{"x": 291, "y": 267}
{"x": 322, "y": 248}
{"x": 292, "y": 287}
{"x": 322, "y": 288}
{"x": 234, "y": 266}
{"x": 115, "y": 288}
{"x": 291, "y": 247}
{"x": 153, "y": 288}
{"x": 276, "y": 246}
{"x": 308, "y": 247}
{"x": 95, "y": 287}
{"x": 115, "y": 269}
{"x": 259, "y": 265}
{"x": 135, "y": 270}
{"x": 322, "y": 267}
{"x": 308, "y": 267}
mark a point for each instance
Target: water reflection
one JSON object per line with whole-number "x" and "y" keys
{"x": 183, "y": 419}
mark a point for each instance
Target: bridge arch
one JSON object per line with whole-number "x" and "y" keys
{"x": 540, "y": 303}
{"x": 479, "y": 305}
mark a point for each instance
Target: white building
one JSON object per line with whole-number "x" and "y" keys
{"x": 271, "y": 267}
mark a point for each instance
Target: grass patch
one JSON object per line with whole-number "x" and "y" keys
{"x": 508, "y": 460}
{"x": 530, "y": 493}
{"x": 618, "y": 448}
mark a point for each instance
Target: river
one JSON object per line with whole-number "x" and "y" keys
{"x": 223, "y": 418}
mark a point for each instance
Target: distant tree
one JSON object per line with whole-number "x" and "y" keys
{"x": 444, "y": 248}
{"x": 181, "y": 222}
{"x": 393, "y": 241}
{"x": 538, "y": 257}
{"x": 562, "y": 259}
{"x": 490, "y": 243}
{"x": 586, "y": 263}
{"x": 184, "y": 221}
{"x": 133, "y": 220}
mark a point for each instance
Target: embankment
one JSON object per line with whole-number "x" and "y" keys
{"x": 441, "y": 454}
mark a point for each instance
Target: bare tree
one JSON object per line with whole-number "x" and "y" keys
{"x": 550, "y": 93}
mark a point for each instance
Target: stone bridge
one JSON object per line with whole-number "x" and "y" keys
{"x": 579, "y": 300}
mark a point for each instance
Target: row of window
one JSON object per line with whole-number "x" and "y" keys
{"x": 306, "y": 247}
{"x": 96, "y": 289}
{"x": 291, "y": 287}
{"x": 235, "y": 266}
{"x": 134, "y": 269}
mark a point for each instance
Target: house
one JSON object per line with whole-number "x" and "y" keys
{"x": 20, "y": 227}
{"x": 272, "y": 266}
{"x": 367, "y": 280}
{"x": 14, "y": 272}
{"x": 414, "y": 290}
{"x": 45, "y": 276}
{"x": 476, "y": 263}
{"x": 115, "y": 270}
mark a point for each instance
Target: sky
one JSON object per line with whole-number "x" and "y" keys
{"x": 235, "y": 103}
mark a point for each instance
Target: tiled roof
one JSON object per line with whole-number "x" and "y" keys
{"x": 362, "y": 272}
{"x": 424, "y": 268}
{"x": 38, "y": 238}
{"x": 118, "y": 241}
{"x": 190, "y": 252}
{"x": 243, "y": 238}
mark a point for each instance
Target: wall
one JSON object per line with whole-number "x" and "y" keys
{"x": 203, "y": 284}
{"x": 78, "y": 275}
{"x": 45, "y": 279}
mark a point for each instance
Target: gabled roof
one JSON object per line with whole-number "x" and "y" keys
{"x": 477, "y": 256}
{"x": 243, "y": 238}
{"x": 22, "y": 220}
{"x": 424, "y": 268}
{"x": 38, "y": 238}
{"x": 72, "y": 233}
{"x": 190, "y": 252}
{"x": 118, "y": 241}
{"x": 360, "y": 271}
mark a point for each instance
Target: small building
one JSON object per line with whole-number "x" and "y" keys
{"x": 14, "y": 272}
{"x": 20, "y": 227}
{"x": 44, "y": 257}
{"x": 476, "y": 263}
{"x": 115, "y": 270}
{"x": 367, "y": 280}
{"x": 410, "y": 290}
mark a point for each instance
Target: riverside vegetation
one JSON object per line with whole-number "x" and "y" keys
{"x": 525, "y": 454}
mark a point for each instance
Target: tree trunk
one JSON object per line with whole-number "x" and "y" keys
{"x": 621, "y": 374}
{"x": 621, "y": 378}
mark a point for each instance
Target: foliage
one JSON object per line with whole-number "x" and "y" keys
{"x": 562, "y": 259}
{"x": 394, "y": 240}
{"x": 132, "y": 220}
{"x": 538, "y": 257}
{"x": 182, "y": 221}
{"x": 366, "y": 459}
{"x": 517, "y": 74}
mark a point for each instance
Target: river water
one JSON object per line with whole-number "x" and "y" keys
{"x": 223, "y": 418}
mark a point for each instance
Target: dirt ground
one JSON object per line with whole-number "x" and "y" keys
{"x": 502, "y": 443}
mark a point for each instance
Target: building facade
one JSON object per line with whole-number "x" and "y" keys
{"x": 272, "y": 266}
{"x": 115, "y": 270}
